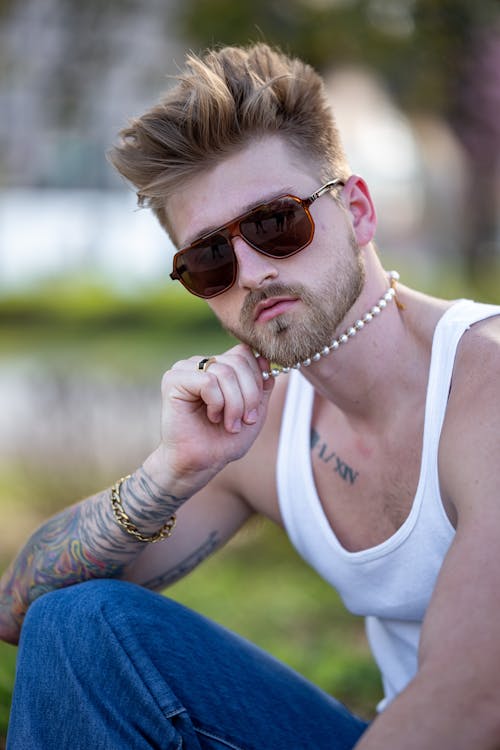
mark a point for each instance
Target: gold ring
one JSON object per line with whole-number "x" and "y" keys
{"x": 205, "y": 363}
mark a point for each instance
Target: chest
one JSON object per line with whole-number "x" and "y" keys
{"x": 366, "y": 484}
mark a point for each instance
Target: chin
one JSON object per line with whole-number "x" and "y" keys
{"x": 287, "y": 353}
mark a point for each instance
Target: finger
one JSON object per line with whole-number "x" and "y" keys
{"x": 205, "y": 363}
{"x": 213, "y": 397}
{"x": 231, "y": 387}
{"x": 185, "y": 385}
{"x": 248, "y": 370}
{"x": 250, "y": 382}
{"x": 224, "y": 375}
{"x": 217, "y": 388}
{"x": 264, "y": 365}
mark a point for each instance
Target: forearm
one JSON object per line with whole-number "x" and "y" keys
{"x": 81, "y": 543}
{"x": 440, "y": 714}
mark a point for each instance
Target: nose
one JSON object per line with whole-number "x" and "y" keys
{"x": 254, "y": 269}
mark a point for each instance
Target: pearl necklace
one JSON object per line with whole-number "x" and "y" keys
{"x": 345, "y": 337}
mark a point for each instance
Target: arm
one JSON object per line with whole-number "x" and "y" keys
{"x": 453, "y": 702}
{"x": 209, "y": 419}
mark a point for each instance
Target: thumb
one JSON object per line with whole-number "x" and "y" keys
{"x": 268, "y": 382}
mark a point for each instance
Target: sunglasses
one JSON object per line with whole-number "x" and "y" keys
{"x": 277, "y": 229}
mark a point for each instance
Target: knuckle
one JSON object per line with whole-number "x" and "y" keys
{"x": 241, "y": 360}
{"x": 223, "y": 369}
{"x": 165, "y": 380}
{"x": 210, "y": 389}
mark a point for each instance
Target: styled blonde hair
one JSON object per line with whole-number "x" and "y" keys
{"x": 219, "y": 103}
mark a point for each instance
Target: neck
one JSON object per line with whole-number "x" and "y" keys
{"x": 357, "y": 325}
{"x": 379, "y": 382}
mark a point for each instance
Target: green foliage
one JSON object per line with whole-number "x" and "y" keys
{"x": 91, "y": 303}
{"x": 5, "y": 7}
{"x": 77, "y": 321}
{"x": 321, "y": 33}
{"x": 435, "y": 56}
{"x": 7, "y": 669}
{"x": 78, "y": 325}
{"x": 416, "y": 46}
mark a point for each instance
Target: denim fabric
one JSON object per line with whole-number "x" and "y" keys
{"x": 109, "y": 665}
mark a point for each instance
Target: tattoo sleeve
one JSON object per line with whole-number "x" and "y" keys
{"x": 189, "y": 563}
{"x": 78, "y": 544}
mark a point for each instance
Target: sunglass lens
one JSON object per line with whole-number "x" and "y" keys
{"x": 207, "y": 269}
{"x": 279, "y": 229}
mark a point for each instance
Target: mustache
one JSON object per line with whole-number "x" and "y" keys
{"x": 273, "y": 290}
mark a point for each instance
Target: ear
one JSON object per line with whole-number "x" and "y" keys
{"x": 358, "y": 202}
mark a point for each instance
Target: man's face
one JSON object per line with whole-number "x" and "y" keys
{"x": 286, "y": 308}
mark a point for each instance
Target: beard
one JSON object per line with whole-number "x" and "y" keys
{"x": 290, "y": 338}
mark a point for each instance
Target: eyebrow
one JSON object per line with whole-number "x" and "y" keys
{"x": 248, "y": 207}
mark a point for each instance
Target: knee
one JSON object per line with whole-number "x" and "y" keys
{"x": 75, "y": 609}
{"x": 98, "y": 618}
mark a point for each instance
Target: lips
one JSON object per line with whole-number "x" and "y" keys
{"x": 272, "y": 307}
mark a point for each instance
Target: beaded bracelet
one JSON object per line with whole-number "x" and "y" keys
{"x": 125, "y": 523}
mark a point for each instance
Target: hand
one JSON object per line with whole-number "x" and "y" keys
{"x": 211, "y": 418}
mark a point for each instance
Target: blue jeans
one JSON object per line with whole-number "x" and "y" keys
{"x": 109, "y": 665}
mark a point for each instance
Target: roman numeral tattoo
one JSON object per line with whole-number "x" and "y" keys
{"x": 320, "y": 448}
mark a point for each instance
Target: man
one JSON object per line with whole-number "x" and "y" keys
{"x": 400, "y": 388}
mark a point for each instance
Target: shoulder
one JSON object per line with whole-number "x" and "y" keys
{"x": 476, "y": 369}
{"x": 470, "y": 439}
{"x": 480, "y": 343}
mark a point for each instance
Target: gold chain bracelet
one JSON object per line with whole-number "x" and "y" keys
{"x": 124, "y": 521}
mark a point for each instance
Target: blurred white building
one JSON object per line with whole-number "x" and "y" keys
{"x": 101, "y": 233}
{"x": 73, "y": 73}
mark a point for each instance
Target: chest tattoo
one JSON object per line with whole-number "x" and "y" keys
{"x": 321, "y": 450}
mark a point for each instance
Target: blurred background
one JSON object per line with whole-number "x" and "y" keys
{"x": 88, "y": 320}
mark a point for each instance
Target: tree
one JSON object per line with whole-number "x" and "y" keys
{"x": 436, "y": 56}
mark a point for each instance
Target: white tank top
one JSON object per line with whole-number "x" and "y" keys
{"x": 389, "y": 584}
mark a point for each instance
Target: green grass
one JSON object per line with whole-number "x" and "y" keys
{"x": 7, "y": 667}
